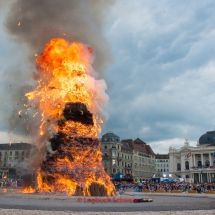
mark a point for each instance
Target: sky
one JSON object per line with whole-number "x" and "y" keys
{"x": 160, "y": 80}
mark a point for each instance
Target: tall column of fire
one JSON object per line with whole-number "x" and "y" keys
{"x": 69, "y": 99}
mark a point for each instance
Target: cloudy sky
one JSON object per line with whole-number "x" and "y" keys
{"x": 161, "y": 79}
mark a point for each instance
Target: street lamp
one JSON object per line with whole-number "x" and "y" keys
{"x": 164, "y": 175}
{"x": 170, "y": 175}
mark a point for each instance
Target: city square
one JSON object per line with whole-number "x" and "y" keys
{"x": 45, "y": 204}
{"x": 107, "y": 107}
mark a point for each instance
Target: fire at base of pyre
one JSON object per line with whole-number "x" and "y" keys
{"x": 72, "y": 163}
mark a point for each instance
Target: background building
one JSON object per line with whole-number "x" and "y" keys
{"x": 116, "y": 156}
{"x": 195, "y": 164}
{"x": 134, "y": 159}
{"x": 162, "y": 165}
{"x": 11, "y": 158}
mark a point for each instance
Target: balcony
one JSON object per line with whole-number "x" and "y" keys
{"x": 119, "y": 158}
{"x": 128, "y": 167}
{"x": 201, "y": 168}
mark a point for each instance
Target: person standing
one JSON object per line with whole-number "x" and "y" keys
{"x": 140, "y": 186}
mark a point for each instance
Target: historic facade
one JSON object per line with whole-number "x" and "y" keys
{"x": 195, "y": 164}
{"x": 162, "y": 166}
{"x": 11, "y": 157}
{"x": 134, "y": 159}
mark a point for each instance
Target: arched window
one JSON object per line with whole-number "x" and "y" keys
{"x": 199, "y": 164}
{"x": 207, "y": 163}
{"x": 187, "y": 165}
{"x": 179, "y": 166}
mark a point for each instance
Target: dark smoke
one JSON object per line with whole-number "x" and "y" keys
{"x": 74, "y": 20}
{"x": 42, "y": 20}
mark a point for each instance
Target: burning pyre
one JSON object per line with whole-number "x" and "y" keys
{"x": 69, "y": 99}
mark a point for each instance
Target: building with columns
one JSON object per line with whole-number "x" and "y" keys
{"x": 195, "y": 164}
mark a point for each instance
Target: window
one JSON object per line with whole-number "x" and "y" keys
{"x": 199, "y": 163}
{"x": 167, "y": 165}
{"x": 214, "y": 162}
{"x": 16, "y": 158}
{"x": 16, "y": 153}
{"x": 105, "y": 147}
{"x": 10, "y": 158}
{"x": 114, "y": 170}
{"x": 9, "y": 164}
{"x": 6, "y": 153}
{"x": 179, "y": 167}
{"x": 113, "y": 162}
{"x": 23, "y": 152}
{"x": 113, "y": 153}
{"x": 23, "y": 159}
{"x": 207, "y": 163}
{"x": 187, "y": 165}
{"x": 167, "y": 170}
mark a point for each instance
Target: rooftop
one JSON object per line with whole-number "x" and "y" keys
{"x": 110, "y": 137}
{"x": 161, "y": 156}
{"x": 16, "y": 146}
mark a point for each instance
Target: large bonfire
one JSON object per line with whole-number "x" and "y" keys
{"x": 69, "y": 100}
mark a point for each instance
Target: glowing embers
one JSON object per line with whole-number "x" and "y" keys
{"x": 29, "y": 189}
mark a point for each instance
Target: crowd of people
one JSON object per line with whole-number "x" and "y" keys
{"x": 168, "y": 187}
{"x": 10, "y": 183}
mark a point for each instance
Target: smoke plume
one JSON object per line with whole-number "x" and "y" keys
{"x": 32, "y": 24}
{"x": 36, "y": 22}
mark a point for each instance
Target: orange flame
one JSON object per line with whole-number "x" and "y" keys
{"x": 66, "y": 75}
{"x": 28, "y": 190}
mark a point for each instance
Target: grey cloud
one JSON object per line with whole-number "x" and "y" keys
{"x": 172, "y": 42}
